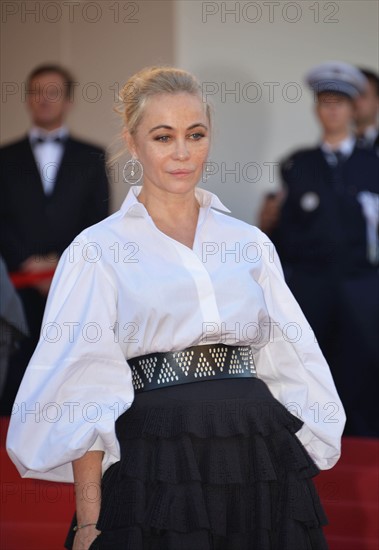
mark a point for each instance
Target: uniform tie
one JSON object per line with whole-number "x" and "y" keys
{"x": 340, "y": 157}
{"x": 336, "y": 160}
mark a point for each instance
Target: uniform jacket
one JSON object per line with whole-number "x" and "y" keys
{"x": 322, "y": 225}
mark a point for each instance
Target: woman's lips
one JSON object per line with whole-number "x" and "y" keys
{"x": 181, "y": 172}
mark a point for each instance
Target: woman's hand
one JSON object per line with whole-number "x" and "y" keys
{"x": 84, "y": 537}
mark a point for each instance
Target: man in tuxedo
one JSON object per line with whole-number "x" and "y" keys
{"x": 52, "y": 187}
{"x": 327, "y": 238}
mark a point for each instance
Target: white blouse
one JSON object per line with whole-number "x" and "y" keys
{"x": 122, "y": 289}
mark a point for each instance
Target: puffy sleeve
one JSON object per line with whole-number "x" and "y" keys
{"x": 294, "y": 368}
{"x": 78, "y": 381}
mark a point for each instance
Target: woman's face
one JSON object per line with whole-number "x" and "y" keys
{"x": 172, "y": 142}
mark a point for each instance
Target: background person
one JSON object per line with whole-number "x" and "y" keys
{"x": 12, "y": 322}
{"x": 366, "y": 129}
{"x": 52, "y": 187}
{"x": 327, "y": 238}
{"x": 366, "y": 116}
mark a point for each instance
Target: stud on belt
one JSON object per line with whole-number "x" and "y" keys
{"x": 194, "y": 364}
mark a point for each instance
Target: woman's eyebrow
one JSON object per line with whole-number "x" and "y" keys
{"x": 161, "y": 126}
{"x": 166, "y": 127}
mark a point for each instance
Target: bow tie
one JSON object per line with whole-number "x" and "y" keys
{"x": 38, "y": 140}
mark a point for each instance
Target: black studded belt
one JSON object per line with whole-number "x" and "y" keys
{"x": 194, "y": 364}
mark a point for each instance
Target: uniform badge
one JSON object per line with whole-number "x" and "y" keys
{"x": 309, "y": 201}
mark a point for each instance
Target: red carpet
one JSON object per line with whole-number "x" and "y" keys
{"x": 35, "y": 515}
{"x": 350, "y": 495}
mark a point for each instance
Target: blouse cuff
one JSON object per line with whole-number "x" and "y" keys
{"x": 324, "y": 455}
{"x": 98, "y": 445}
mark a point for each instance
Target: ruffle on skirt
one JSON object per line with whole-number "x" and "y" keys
{"x": 212, "y": 466}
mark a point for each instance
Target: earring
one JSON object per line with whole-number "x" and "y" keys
{"x": 133, "y": 162}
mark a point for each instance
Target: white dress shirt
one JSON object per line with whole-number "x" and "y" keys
{"x": 123, "y": 289}
{"x": 345, "y": 147}
{"x": 48, "y": 154}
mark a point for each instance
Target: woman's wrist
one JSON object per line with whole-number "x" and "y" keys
{"x": 83, "y": 538}
{"x": 84, "y": 526}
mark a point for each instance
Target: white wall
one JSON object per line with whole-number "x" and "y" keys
{"x": 253, "y": 48}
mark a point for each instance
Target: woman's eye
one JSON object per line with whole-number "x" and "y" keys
{"x": 197, "y": 135}
{"x": 163, "y": 139}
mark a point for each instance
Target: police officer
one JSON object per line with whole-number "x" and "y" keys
{"x": 327, "y": 238}
{"x": 367, "y": 112}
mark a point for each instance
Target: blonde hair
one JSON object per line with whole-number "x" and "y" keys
{"x": 152, "y": 81}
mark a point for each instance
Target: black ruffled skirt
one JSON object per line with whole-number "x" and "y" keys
{"x": 210, "y": 465}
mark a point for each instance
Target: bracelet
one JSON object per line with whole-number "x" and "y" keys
{"x": 77, "y": 527}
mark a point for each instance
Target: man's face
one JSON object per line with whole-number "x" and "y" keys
{"x": 335, "y": 112}
{"x": 47, "y": 100}
{"x": 367, "y": 106}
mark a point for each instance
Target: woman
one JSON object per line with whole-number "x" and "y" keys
{"x": 185, "y": 304}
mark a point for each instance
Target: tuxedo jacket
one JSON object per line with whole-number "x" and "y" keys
{"x": 322, "y": 226}
{"x": 33, "y": 223}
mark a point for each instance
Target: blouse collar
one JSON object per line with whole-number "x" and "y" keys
{"x": 132, "y": 207}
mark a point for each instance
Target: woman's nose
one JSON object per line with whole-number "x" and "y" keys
{"x": 181, "y": 150}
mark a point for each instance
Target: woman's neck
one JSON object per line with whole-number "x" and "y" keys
{"x": 176, "y": 215}
{"x": 169, "y": 206}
